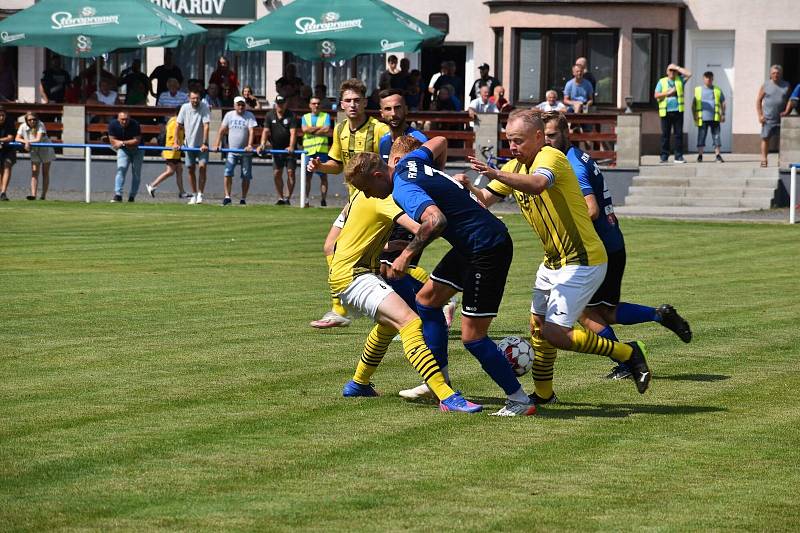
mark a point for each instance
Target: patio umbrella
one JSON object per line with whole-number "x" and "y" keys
{"x": 90, "y": 28}
{"x": 335, "y": 29}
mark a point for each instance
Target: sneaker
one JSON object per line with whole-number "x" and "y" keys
{"x": 330, "y": 320}
{"x": 42, "y": 197}
{"x": 193, "y": 200}
{"x": 537, "y": 400}
{"x": 456, "y": 402}
{"x": 638, "y": 365}
{"x": 674, "y": 322}
{"x": 280, "y": 201}
{"x": 515, "y": 408}
{"x": 719, "y": 159}
{"x": 699, "y": 158}
{"x": 664, "y": 161}
{"x": 680, "y": 161}
{"x": 287, "y": 202}
{"x": 226, "y": 201}
{"x": 183, "y": 195}
{"x": 323, "y": 203}
{"x": 3, "y": 197}
{"x": 621, "y": 371}
{"x": 418, "y": 393}
{"x": 449, "y": 311}
{"x": 116, "y": 199}
{"x": 30, "y": 197}
{"x": 131, "y": 199}
{"x": 243, "y": 202}
{"x": 152, "y": 190}
{"x": 352, "y": 389}
{"x": 199, "y": 198}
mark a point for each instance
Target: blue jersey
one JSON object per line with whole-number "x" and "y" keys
{"x": 386, "y": 141}
{"x": 471, "y": 228}
{"x": 591, "y": 181}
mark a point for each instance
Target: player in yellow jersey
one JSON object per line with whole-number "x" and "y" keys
{"x": 354, "y": 279}
{"x": 547, "y": 191}
{"x": 359, "y": 133}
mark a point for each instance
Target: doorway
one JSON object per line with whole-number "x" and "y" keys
{"x": 431, "y": 60}
{"x": 788, "y": 56}
{"x": 717, "y": 57}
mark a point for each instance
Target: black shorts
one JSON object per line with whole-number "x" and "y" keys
{"x": 284, "y": 160}
{"x": 8, "y": 157}
{"x": 609, "y": 292}
{"x": 399, "y": 233}
{"x": 482, "y": 278}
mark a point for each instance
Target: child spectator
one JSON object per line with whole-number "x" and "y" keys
{"x": 173, "y": 136}
{"x": 33, "y": 131}
{"x": 249, "y": 98}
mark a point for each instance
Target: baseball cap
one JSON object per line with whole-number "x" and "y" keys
{"x": 485, "y": 65}
{"x": 279, "y": 99}
{"x": 239, "y": 99}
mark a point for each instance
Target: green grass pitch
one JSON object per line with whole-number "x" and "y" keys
{"x": 157, "y": 373}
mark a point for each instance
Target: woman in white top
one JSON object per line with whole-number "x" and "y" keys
{"x": 105, "y": 95}
{"x": 33, "y": 131}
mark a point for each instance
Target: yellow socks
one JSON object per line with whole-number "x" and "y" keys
{"x": 336, "y": 305}
{"x": 419, "y": 274}
{"x": 586, "y": 341}
{"x": 375, "y": 348}
{"x": 544, "y": 358}
{"x": 422, "y": 359}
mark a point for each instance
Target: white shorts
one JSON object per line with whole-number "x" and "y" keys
{"x": 339, "y": 222}
{"x": 561, "y": 295}
{"x": 365, "y": 294}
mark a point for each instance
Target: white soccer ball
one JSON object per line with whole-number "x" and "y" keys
{"x": 519, "y": 354}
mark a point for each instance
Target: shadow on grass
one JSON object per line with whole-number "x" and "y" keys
{"x": 566, "y": 410}
{"x": 694, "y": 377}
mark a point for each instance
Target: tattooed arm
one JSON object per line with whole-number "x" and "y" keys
{"x": 433, "y": 224}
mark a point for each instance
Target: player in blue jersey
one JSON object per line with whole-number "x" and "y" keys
{"x": 605, "y": 308}
{"x": 477, "y": 264}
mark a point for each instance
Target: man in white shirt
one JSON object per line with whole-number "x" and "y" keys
{"x": 481, "y": 104}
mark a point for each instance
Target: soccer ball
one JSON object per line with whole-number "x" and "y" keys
{"x": 519, "y": 354}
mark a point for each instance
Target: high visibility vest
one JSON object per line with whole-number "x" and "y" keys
{"x": 662, "y": 104}
{"x": 314, "y": 144}
{"x": 698, "y": 104}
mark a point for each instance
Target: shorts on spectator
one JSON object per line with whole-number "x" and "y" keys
{"x": 284, "y": 160}
{"x": 482, "y": 278}
{"x": 364, "y": 295}
{"x": 339, "y": 222}
{"x": 561, "y": 295}
{"x": 245, "y": 163}
{"x": 702, "y": 131}
{"x": 611, "y": 288}
{"x": 8, "y": 157}
{"x": 770, "y": 129}
{"x": 43, "y": 154}
{"x": 196, "y": 158}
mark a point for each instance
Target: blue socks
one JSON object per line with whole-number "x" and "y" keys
{"x": 608, "y": 333}
{"x": 434, "y": 329}
{"x": 635, "y": 314}
{"x": 488, "y": 355}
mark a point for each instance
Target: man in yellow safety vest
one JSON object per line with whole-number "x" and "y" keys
{"x": 709, "y": 112}
{"x": 669, "y": 94}
{"x": 316, "y": 129}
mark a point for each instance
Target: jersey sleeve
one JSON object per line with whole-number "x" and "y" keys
{"x": 421, "y": 137}
{"x": 582, "y": 172}
{"x": 796, "y": 93}
{"x": 335, "y": 152}
{"x": 546, "y": 165}
{"x": 411, "y": 198}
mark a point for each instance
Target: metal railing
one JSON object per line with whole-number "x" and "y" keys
{"x": 793, "y": 193}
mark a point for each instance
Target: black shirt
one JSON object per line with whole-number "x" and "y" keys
{"x": 7, "y": 128}
{"x": 55, "y": 82}
{"x": 491, "y": 82}
{"x": 116, "y": 130}
{"x": 162, "y": 73}
{"x": 280, "y": 128}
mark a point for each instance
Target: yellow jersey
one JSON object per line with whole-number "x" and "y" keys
{"x": 347, "y": 143}
{"x": 171, "y": 140}
{"x": 559, "y": 214}
{"x": 367, "y": 226}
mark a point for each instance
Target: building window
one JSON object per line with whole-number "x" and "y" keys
{"x": 498, "y": 54}
{"x": 650, "y": 55}
{"x": 440, "y": 21}
{"x": 537, "y": 71}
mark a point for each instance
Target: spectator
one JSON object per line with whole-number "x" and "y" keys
{"x": 669, "y": 94}
{"x": 73, "y": 94}
{"x": 457, "y": 83}
{"x": 587, "y": 74}
{"x": 481, "y": 104}
{"x": 484, "y": 80}
{"x": 432, "y": 83}
{"x": 163, "y": 73}
{"x": 8, "y": 155}
{"x": 173, "y": 96}
{"x": 551, "y": 103}
{"x": 34, "y": 131}
{"x": 770, "y": 105}
{"x": 321, "y": 92}
{"x": 125, "y": 136}
{"x": 413, "y": 91}
{"x": 224, "y": 74}
{"x": 578, "y": 92}
{"x": 211, "y": 98}
{"x": 499, "y": 99}
{"x": 400, "y": 80}
{"x": 173, "y": 136}
{"x": 445, "y": 101}
{"x": 193, "y": 125}
{"x": 249, "y": 98}
{"x": 227, "y": 97}
{"x": 280, "y": 132}
{"x": 316, "y": 129}
{"x": 89, "y": 77}
{"x": 392, "y": 71}
{"x": 136, "y": 84}
{"x": 239, "y": 125}
{"x": 105, "y": 96}
{"x": 290, "y": 80}
{"x": 54, "y": 82}
{"x": 709, "y": 112}
{"x": 374, "y": 100}
{"x": 301, "y": 99}
{"x": 793, "y": 101}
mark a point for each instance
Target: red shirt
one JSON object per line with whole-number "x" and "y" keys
{"x": 228, "y": 77}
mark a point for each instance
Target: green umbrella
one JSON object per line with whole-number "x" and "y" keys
{"x": 90, "y": 28}
{"x": 335, "y": 29}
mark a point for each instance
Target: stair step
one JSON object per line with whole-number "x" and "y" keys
{"x": 704, "y": 182}
{"x": 695, "y": 192}
{"x": 667, "y": 201}
{"x": 710, "y": 169}
{"x": 675, "y": 211}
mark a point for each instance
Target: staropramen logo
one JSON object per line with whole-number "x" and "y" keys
{"x": 328, "y": 22}
{"x": 86, "y": 17}
{"x": 11, "y": 37}
{"x": 252, "y": 42}
{"x": 147, "y": 39}
{"x": 386, "y": 45}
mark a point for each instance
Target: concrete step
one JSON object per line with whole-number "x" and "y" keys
{"x": 674, "y": 211}
{"x": 689, "y": 170}
{"x": 704, "y": 181}
{"x": 667, "y": 201}
{"x": 729, "y": 192}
